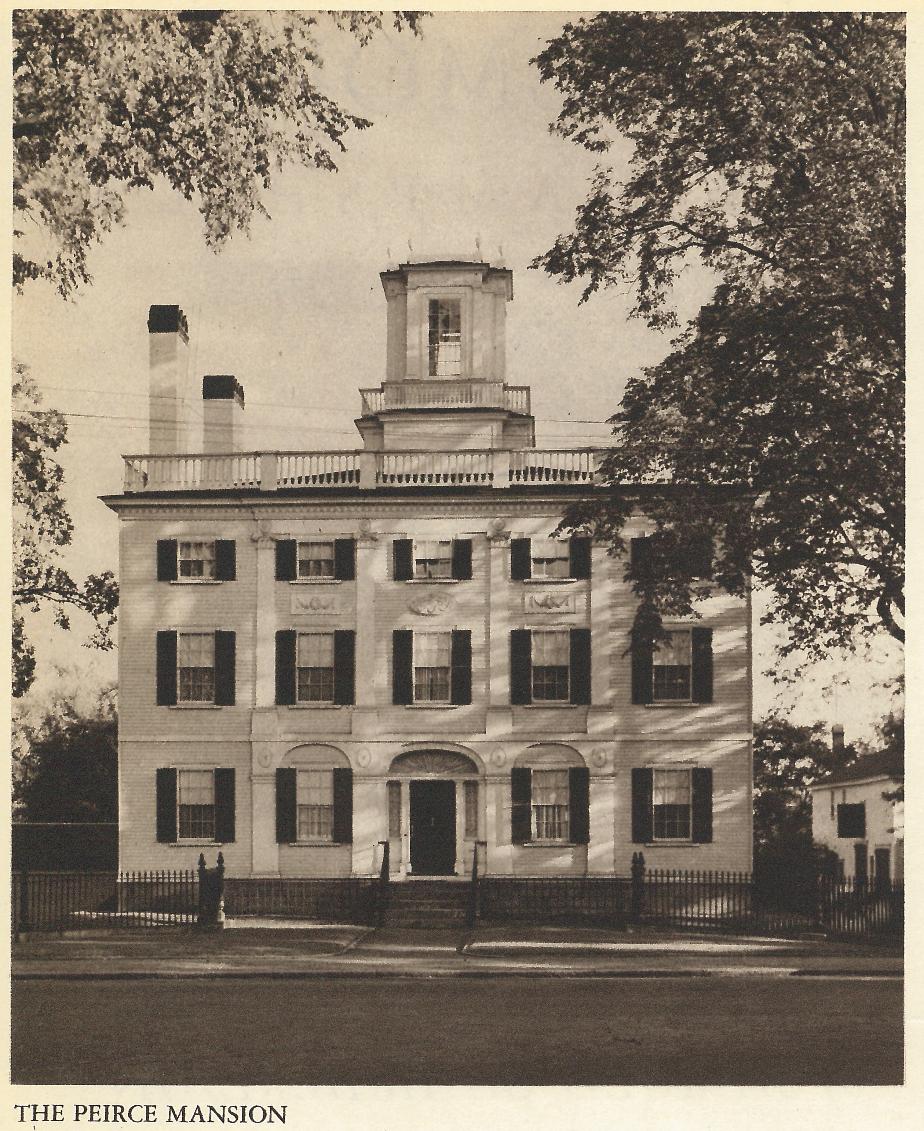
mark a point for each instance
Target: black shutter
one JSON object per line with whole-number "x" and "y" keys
{"x": 166, "y": 669}
{"x": 403, "y": 559}
{"x": 521, "y": 564}
{"x": 520, "y": 804}
{"x": 462, "y": 559}
{"x": 224, "y": 806}
{"x": 640, "y": 557}
{"x": 285, "y": 666}
{"x": 521, "y": 666}
{"x": 642, "y": 669}
{"x": 285, "y": 806}
{"x": 166, "y": 559}
{"x": 579, "y": 680}
{"x": 702, "y": 806}
{"x": 345, "y": 667}
{"x": 402, "y": 660}
{"x": 701, "y": 640}
{"x": 224, "y": 669}
{"x": 579, "y": 803}
{"x": 166, "y": 806}
{"x": 642, "y": 797}
{"x": 579, "y": 558}
{"x": 343, "y": 806}
{"x": 286, "y": 554}
{"x": 225, "y": 560}
{"x": 461, "y": 660}
{"x": 344, "y": 559}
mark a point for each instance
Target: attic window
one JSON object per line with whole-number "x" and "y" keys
{"x": 445, "y": 337}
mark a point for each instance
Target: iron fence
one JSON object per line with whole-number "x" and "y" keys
{"x": 347, "y": 900}
{"x": 58, "y": 901}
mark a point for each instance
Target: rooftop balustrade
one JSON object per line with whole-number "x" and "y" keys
{"x": 280, "y": 471}
{"x": 445, "y": 394}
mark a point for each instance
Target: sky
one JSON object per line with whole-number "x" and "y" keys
{"x": 459, "y": 150}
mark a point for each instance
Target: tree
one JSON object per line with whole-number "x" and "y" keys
{"x": 767, "y": 147}
{"x": 69, "y": 769}
{"x": 41, "y": 529}
{"x": 212, "y": 102}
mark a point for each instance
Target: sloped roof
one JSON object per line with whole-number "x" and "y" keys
{"x": 882, "y": 764}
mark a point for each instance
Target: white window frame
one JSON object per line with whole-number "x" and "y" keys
{"x": 541, "y": 835}
{"x": 540, "y": 563}
{"x": 655, "y": 697}
{"x": 315, "y": 577}
{"x": 687, "y": 771}
{"x": 545, "y": 633}
{"x": 180, "y": 668}
{"x": 447, "y": 300}
{"x": 304, "y": 787}
{"x": 299, "y": 636}
{"x": 207, "y": 574}
{"x": 194, "y": 837}
{"x": 417, "y": 640}
{"x": 444, "y": 561}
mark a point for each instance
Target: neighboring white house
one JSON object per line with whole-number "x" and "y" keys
{"x": 851, "y": 816}
{"x": 321, "y": 651}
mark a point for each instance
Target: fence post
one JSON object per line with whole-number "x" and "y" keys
{"x": 220, "y": 893}
{"x": 380, "y": 903}
{"x": 638, "y": 886}
{"x": 200, "y": 912}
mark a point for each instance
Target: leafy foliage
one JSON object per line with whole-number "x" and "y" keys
{"x": 68, "y": 771}
{"x": 213, "y": 102}
{"x": 769, "y": 147}
{"x": 41, "y": 529}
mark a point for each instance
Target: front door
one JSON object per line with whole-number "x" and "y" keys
{"x": 433, "y": 828}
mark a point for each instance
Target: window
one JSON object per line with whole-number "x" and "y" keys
{"x": 445, "y": 337}
{"x": 314, "y": 801}
{"x": 671, "y": 800}
{"x": 851, "y": 820}
{"x": 196, "y": 804}
{"x": 551, "y": 558}
{"x": 550, "y": 661}
{"x": 315, "y": 559}
{"x": 470, "y": 798}
{"x": 196, "y": 667}
{"x": 550, "y": 805}
{"x": 671, "y": 668}
{"x": 432, "y": 659}
{"x": 432, "y": 558}
{"x": 315, "y": 667}
{"x": 394, "y": 810}
{"x": 196, "y": 559}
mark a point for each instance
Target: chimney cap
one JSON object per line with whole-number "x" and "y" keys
{"x": 168, "y": 320}
{"x": 222, "y": 387}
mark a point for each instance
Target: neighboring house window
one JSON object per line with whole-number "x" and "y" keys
{"x": 196, "y": 804}
{"x": 445, "y": 337}
{"x": 196, "y": 559}
{"x": 550, "y": 804}
{"x": 671, "y": 803}
{"x": 470, "y": 790}
{"x": 550, "y": 797}
{"x": 550, "y": 661}
{"x": 672, "y": 664}
{"x": 196, "y": 667}
{"x": 394, "y": 810}
{"x": 550, "y": 557}
{"x": 315, "y": 559}
{"x": 851, "y": 820}
{"x": 432, "y": 661}
{"x": 315, "y": 804}
{"x": 315, "y": 667}
{"x": 432, "y": 558}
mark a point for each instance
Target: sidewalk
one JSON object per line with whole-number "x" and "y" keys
{"x": 304, "y": 950}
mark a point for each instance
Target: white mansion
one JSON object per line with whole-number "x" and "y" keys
{"x": 323, "y": 651}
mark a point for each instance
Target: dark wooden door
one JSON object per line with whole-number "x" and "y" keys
{"x": 860, "y": 869}
{"x": 433, "y": 828}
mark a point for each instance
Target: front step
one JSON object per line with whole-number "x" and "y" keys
{"x": 427, "y": 903}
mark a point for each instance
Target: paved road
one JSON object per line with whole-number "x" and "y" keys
{"x": 717, "y": 1030}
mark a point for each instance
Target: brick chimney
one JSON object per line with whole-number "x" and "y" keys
{"x": 222, "y": 413}
{"x": 837, "y": 741}
{"x": 168, "y": 339}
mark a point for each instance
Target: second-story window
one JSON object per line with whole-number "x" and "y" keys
{"x": 445, "y": 337}
{"x": 315, "y": 559}
{"x": 196, "y": 667}
{"x": 432, "y": 661}
{"x": 671, "y": 668}
{"x": 551, "y": 658}
{"x": 315, "y": 667}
